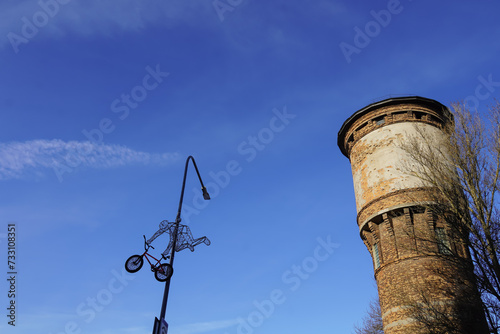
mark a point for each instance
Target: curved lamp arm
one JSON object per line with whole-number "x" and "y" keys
{"x": 206, "y": 196}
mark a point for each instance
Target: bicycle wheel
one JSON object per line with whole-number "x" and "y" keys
{"x": 164, "y": 272}
{"x": 134, "y": 263}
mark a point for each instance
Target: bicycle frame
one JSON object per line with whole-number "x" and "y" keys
{"x": 156, "y": 266}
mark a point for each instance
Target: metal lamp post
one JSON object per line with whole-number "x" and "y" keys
{"x": 206, "y": 196}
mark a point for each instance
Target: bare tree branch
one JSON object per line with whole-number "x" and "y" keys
{"x": 463, "y": 173}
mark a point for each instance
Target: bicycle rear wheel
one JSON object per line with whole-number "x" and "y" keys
{"x": 164, "y": 272}
{"x": 134, "y": 263}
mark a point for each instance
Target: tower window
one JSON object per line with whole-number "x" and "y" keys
{"x": 379, "y": 120}
{"x": 376, "y": 256}
{"x": 443, "y": 242}
{"x": 361, "y": 127}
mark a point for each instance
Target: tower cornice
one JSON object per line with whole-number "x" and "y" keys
{"x": 364, "y": 118}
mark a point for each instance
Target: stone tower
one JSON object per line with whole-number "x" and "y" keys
{"x": 418, "y": 266}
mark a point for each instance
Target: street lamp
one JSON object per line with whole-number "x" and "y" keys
{"x": 206, "y": 196}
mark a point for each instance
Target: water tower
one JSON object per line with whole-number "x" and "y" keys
{"x": 414, "y": 255}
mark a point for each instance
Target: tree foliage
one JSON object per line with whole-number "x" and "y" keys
{"x": 464, "y": 171}
{"x": 372, "y": 322}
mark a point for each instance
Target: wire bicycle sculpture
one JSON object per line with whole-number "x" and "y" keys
{"x": 162, "y": 271}
{"x": 184, "y": 240}
{"x": 184, "y": 237}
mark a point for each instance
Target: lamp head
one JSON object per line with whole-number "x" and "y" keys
{"x": 206, "y": 196}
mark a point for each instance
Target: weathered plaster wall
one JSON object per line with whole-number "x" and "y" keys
{"x": 379, "y": 163}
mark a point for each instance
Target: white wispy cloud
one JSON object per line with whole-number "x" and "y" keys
{"x": 36, "y": 157}
{"x": 98, "y": 16}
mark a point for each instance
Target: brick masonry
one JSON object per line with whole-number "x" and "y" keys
{"x": 416, "y": 279}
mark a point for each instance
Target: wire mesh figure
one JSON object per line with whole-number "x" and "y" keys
{"x": 184, "y": 237}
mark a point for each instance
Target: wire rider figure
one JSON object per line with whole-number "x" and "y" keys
{"x": 184, "y": 238}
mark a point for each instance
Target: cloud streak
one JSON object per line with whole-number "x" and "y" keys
{"x": 101, "y": 17}
{"x": 20, "y": 160}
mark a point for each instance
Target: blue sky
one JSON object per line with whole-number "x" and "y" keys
{"x": 101, "y": 102}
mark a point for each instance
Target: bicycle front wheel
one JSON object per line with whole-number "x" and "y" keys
{"x": 134, "y": 263}
{"x": 164, "y": 272}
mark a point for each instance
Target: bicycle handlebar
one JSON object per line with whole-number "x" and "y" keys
{"x": 146, "y": 245}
